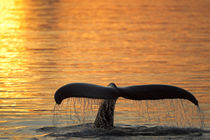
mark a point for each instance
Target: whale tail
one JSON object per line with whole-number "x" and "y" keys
{"x": 105, "y": 115}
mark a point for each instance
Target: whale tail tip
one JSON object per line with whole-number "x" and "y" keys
{"x": 112, "y": 85}
{"x": 196, "y": 103}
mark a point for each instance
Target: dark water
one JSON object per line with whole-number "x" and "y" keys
{"x": 46, "y": 44}
{"x": 123, "y": 132}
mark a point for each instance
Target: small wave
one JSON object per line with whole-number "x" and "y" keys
{"x": 88, "y": 131}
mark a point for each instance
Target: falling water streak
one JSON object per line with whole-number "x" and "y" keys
{"x": 175, "y": 112}
{"x": 55, "y": 114}
{"x": 201, "y": 116}
{"x": 83, "y": 110}
{"x": 170, "y": 112}
{"x": 180, "y": 113}
{"x": 147, "y": 107}
{"x": 76, "y": 111}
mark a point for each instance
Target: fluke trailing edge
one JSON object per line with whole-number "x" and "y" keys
{"x": 105, "y": 114}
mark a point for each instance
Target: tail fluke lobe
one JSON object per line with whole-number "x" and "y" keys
{"x": 84, "y": 90}
{"x": 156, "y": 92}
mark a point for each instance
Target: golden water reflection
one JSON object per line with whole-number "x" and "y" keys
{"x": 12, "y": 50}
{"x": 46, "y": 44}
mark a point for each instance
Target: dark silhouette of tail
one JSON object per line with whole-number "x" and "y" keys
{"x": 105, "y": 116}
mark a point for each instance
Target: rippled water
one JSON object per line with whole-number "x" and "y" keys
{"x": 45, "y": 44}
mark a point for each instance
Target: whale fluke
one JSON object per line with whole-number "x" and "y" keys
{"x": 110, "y": 94}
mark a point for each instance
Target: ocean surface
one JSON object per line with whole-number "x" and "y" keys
{"x": 45, "y": 44}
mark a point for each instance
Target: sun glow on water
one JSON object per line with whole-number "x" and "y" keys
{"x": 47, "y": 43}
